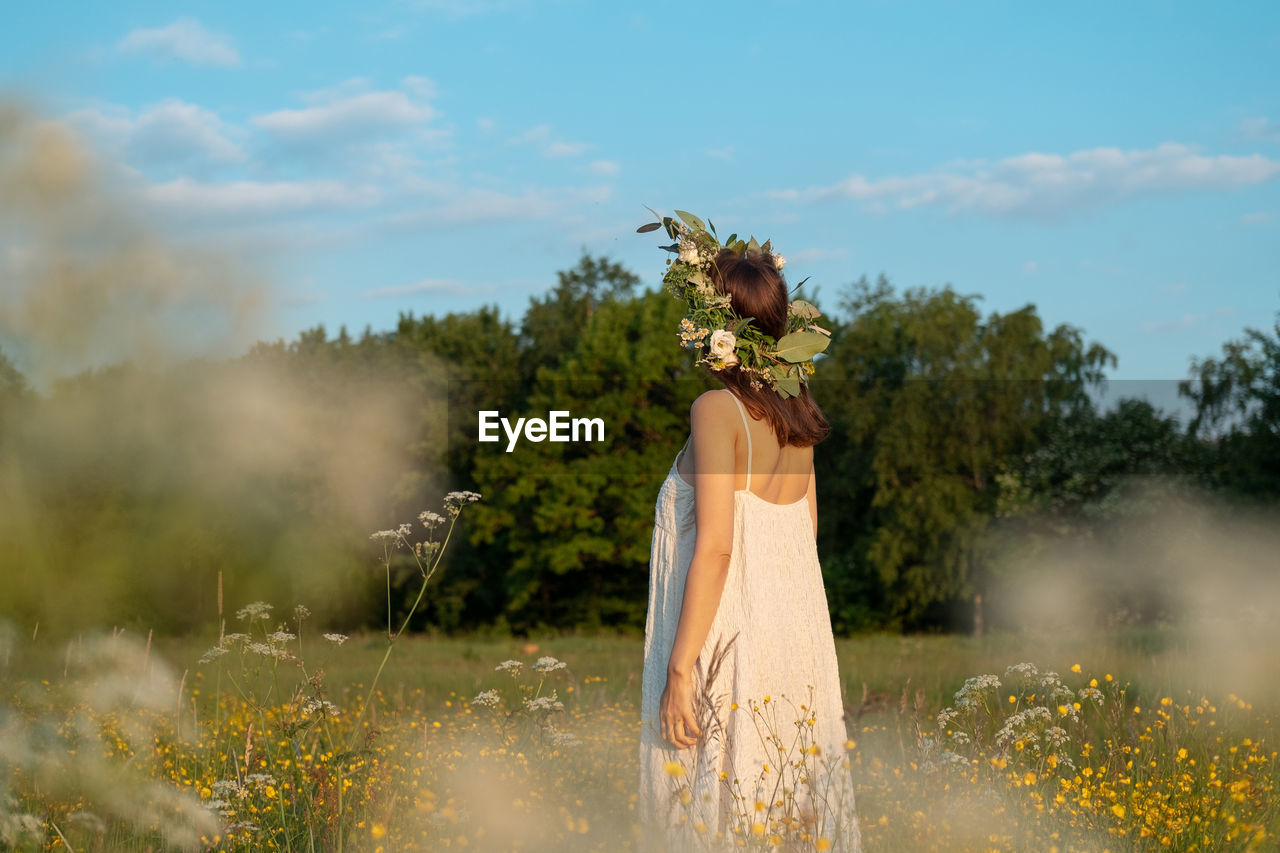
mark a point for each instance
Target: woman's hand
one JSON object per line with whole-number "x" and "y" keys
{"x": 679, "y": 725}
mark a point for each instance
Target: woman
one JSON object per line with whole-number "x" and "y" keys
{"x": 742, "y": 712}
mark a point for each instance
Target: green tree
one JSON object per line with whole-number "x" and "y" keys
{"x": 573, "y": 521}
{"x": 928, "y": 404}
{"x": 553, "y": 323}
{"x": 1237, "y": 398}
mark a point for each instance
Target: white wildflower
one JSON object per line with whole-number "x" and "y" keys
{"x": 511, "y": 666}
{"x": 487, "y": 699}
{"x": 689, "y": 251}
{"x": 778, "y": 261}
{"x": 323, "y": 707}
{"x": 282, "y": 637}
{"x": 258, "y": 610}
{"x": 301, "y": 612}
{"x": 385, "y": 536}
{"x": 548, "y": 664}
{"x": 967, "y": 696}
{"x": 430, "y": 519}
{"x": 544, "y": 703}
{"x": 336, "y": 639}
{"x": 213, "y": 654}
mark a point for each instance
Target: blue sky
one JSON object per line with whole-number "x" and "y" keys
{"x": 1116, "y": 165}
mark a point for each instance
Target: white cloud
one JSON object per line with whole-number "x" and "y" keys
{"x": 185, "y": 39}
{"x": 564, "y": 149}
{"x": 1258, "y": 217}
{"x": 172, "y": 133}
{"x": 725, "y": 153}
{"x": 542, "y": 137}
{"x": 196, "y": 198}
{"x": 1049, "y": 185}
{"x": 426, "y": 285}
{"x": 421, "y": 87}
{"x": 603, "y": 168}
{"x": 1186, "y": 321}
{"x": 360, "y": 115}
{"x": 1260, "y": 130}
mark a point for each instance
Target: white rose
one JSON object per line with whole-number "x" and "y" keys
{"x": 688, "y": 252}
{"x": 779, "y": 262}
{"x": 723, "y": 344}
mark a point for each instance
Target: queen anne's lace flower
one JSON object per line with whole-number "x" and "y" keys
{"x": 548, "y": 663}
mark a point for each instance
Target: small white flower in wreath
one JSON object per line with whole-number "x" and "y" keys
{"x": 723, "y": 344}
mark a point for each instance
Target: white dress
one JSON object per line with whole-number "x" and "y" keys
{"x": 753, "y": 768}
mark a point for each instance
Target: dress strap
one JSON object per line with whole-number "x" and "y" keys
{"x": 745, "y": 426}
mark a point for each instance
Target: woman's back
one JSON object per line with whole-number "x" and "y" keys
{"x": 779, "y": 475}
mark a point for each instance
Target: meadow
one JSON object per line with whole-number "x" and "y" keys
{"x": 1127, "y": 740}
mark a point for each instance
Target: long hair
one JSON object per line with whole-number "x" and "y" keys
{"x": 758, "y": 290}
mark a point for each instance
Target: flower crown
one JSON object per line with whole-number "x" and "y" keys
{"x": 711, "y": 323}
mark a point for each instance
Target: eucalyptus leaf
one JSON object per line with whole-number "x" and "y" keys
{"x": 790, "y": 385}
{"x": 753, "y": 246}
{"x": 733, "y": 238}
{"x": 691, "y": 220}
{"x": 711, "y": 227}
{"x": 648, "y": 226}
{"x": 801, "y": 346}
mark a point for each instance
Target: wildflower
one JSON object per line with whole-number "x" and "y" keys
{"x": 487, "y": 699}
{"x": 430, "y": 519}
{"x": 213, "y": 653}
{"x": 322, "y": 707}
{"x": 675, "y": 768}
{"x": 258, "y": 610}
{"x": 282, "y": 637}
{"x": 548, "y": 664}
{"x": 336, "y": 639}
{"x": 385, "y": 536}
{"x": 544, "y": 703}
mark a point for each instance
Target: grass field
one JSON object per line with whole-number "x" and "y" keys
{"x": 127, "y": 743}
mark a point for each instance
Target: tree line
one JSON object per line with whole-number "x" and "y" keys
{"x": 957, "y": 439}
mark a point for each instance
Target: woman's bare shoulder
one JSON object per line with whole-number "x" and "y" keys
{"x": 713, "y": 403}
{"x": 712, "y": 410}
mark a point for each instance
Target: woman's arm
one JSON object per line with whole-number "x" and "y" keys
{"x": 813, "y": 499}
{"x": 713, "y": 455}
{"x": 713, "y": 449}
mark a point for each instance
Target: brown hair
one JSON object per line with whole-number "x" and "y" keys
{"x": 758, "y": 290}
